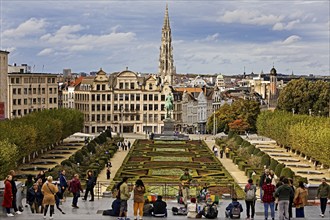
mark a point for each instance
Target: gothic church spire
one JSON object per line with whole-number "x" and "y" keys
{"x": 166, "y": 62}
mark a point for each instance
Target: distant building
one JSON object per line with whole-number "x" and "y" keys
{"x": 24, "y": 92}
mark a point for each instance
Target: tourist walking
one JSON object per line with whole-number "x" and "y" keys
{"x": 227, "y": 150}
{"x": 108, "y": 173}
{"x": 124, "y": 196}
{"x": 91, "y": 182}
{"x": 75, "y": 188}
{"x": 221, "y": 153}
{"x": 323, "y": 192}
{"x": 185, "y": 185}
{"x": 34, "y": 198}
{"x": 300, "y": 200}
{"x": 268, "y": 198}
{"x": 8, "y": 196}
{"x": 14, "y": 191}
{"x": 63, "y": 184}
{"x": 139, "y": 190}
{"x": 49, "y": 190}
{"x": 291, "y": 197}
{"x": 250, "y": 198}
{"x": 283, "y": 194}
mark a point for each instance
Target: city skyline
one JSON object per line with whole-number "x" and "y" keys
{"x": 208, "y": 36}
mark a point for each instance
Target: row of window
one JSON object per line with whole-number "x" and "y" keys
{"x": 147, "y": 118}
{"x": 120, "y": 97}
{"x": 34, "y": 101}
{"x": 25, "y": 111}
{"x": 17, "y": 80}
{"x": 30, "y": 91}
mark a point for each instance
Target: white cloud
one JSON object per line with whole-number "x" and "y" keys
{"x": 210, "y": 38}
{"x": 292, "y": 39}
{"x": 46, "y": 51}
{"x": 249, "y": 17}
{"x": 279, "y": 26}
{"x": 32, "y": 26}
{"x": 70, "y": 39}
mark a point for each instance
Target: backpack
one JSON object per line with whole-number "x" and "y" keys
{"x": 211, "y": 211}
{"x": 235, "y": 212}
{"x": 179, "y": 211}
{"x": 250, "y": 195}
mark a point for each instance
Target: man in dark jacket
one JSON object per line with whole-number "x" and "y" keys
{"x": 160, "y": 207}
{"x": 233, "y": 204}
{"x": 63, "y": 183}
{"x": 91, "y": 182}
{"x": 283, "y": 193}
{"x": 34, "y": 198}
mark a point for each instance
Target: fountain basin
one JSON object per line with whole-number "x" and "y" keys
{"x": 299, "y": 165}
{"x": 66, "y": 148}
{"x": 33, "y": 168}
{"x": 310, "y": 172}
{"x": 60, "y": 152}
{"x": 44, "y": 163}
{"x": 280, "y": 155}
{"x": 52, "y": 157}
{"x": 288, "y": 160}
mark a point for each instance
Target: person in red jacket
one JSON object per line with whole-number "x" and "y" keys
{"x": 8, "y": 196}
{"x": 268, "y": 198}
{"x": 75, "y": 188}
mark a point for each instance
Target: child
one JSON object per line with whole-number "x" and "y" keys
{"x": 234, "y": 209}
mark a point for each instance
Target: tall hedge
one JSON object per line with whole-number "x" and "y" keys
{"x": 307, "y": 134}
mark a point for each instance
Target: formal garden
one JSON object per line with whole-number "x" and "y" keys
{"x": 161, "y": 163}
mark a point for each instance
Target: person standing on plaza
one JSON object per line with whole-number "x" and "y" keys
{"x": 63, "y": 184}
{"x": 221, "y": 153}
{"x": 300, "y": 200}
{"x": 262, "y": 180}
{"x": 8, "y": 196}
{"x": 227, "y": 150}
{"x": 283, "y": 194}
{"x": 139, "y": 190}
{"x": 75, "y": 188}
{"x": 91, "y": 182}
{"x": 28, "y": 184}
{"x": 250, "y": 198}
{"x": 268, "y": 198}
{"x": 49, "y": 191}
{"x": 34, "y": 198}
{"x": 323, "y": 192}
{"x": 108, "y": 173}
{"x": 185, "y": 185}
{"x": 14, "y": 191}
{"x": 124, "y": 196}
{"x": 291, "y": 197}
{"x": 129, "y": 145}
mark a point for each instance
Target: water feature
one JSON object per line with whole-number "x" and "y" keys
{"x": 280, "y": 155}
{"x": 43, "y": 163}
{"x": 33, "y": 168}
{"x": 273, "y": 151}
{"x": 60, "y": 152}
{"x": 66, "y": 148}
{"x": 288, "y": 160}
{"x": 299, "y": 165}
{"x": 310, "y": 172}
{"x": 52, "y": 157}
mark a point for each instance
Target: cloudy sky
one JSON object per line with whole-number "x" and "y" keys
{"x": 208, "y": 36}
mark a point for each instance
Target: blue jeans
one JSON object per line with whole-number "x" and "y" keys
{"x": 272, "y": 210}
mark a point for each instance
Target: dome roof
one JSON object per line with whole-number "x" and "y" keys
{"x": 220, "y": 76}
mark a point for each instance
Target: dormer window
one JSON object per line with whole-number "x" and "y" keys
{"x": 150, "y": 86}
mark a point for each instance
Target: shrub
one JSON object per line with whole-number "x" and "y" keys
{"x": 238, "y": 139}
{"x": 287, "y": 172}
{"x": 273, "y": 164}
{"x": 66, "y": 162}
{"x": 91, "y": 147}
{"x": 245, "y": 143}
{"x": 261, "y": 153}
{"x": 78, "y": 157}
{"x": 278, "y": 169}
{"x": 254, "y": 161}
{"x": 256, "y": 151}
{"x": 265, "y": 160}
{"x": 231, "y": 134}
{"x": 251, "y": 149}
{"x": 297, "y": 179}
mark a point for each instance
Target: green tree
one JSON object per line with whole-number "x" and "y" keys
{"x": 8, "y": 157}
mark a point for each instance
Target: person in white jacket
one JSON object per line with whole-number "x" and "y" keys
{"x": 192, "y": 208}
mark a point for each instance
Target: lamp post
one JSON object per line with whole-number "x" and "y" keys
{"x": 122, "y": 120}
{"x": 293, "y": 111}
{"x": 214, "y": 121}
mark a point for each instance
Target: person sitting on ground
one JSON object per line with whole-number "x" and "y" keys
{"x": 115, "y": 207}
{"x": 192, "y": 208}
{"x": 147, "y": 208}
{"x": 210, "y": 210}
{"x": 159, "y": 208}
{"x": 234, "y": 209}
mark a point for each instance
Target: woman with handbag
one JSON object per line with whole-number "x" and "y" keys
{"x": 300, "y": 200}
{"x": 49, "y": 191}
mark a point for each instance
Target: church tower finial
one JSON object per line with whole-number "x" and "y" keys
{"x": 166, "y": 62}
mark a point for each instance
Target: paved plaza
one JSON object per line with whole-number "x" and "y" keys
{"x": 93, "y": 210}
